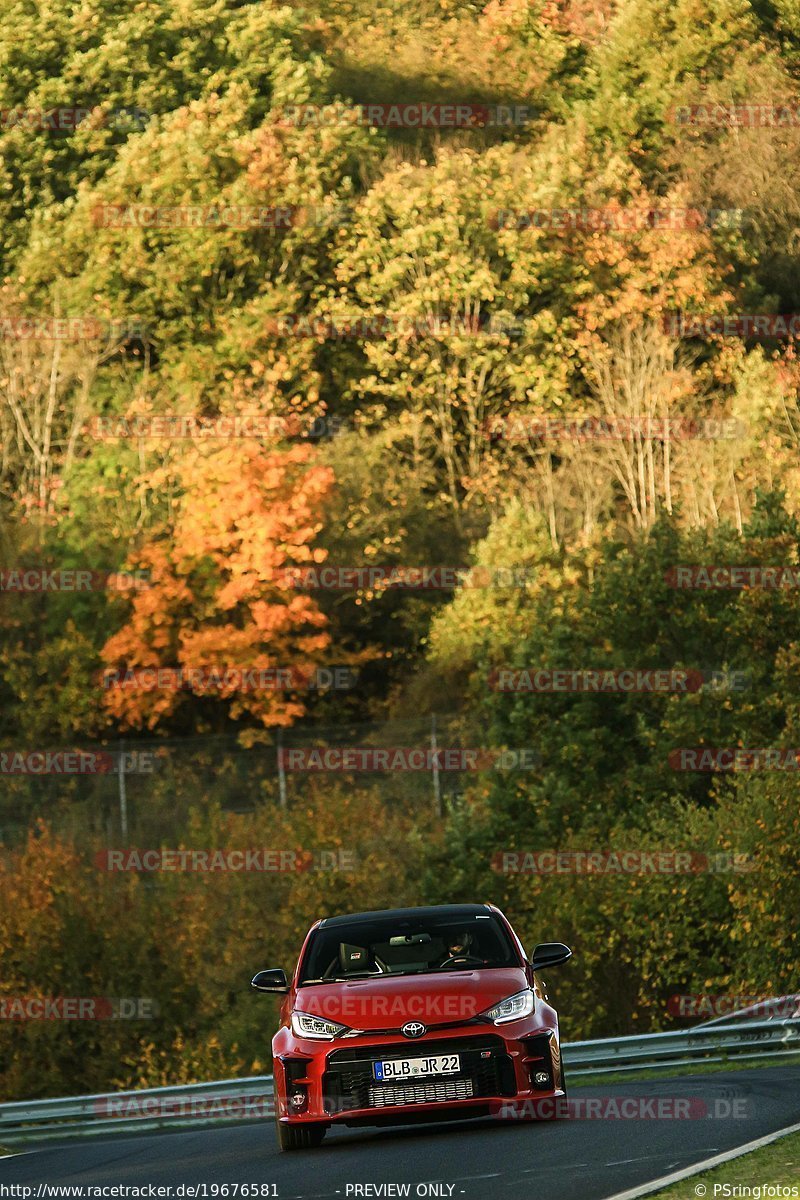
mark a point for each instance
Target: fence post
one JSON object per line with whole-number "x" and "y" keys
{"x": 281, "y": 769}
{"x": 437, "y": 788}
{"x": 123, "y": 794}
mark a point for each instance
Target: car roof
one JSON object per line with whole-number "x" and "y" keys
{"x": 433, "y": 910}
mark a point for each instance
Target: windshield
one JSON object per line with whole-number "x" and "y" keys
{"x": 406, "y": 946}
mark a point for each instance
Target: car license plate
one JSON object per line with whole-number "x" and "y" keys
{"x": 410, "y": 1068}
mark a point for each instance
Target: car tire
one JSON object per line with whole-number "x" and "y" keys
{"x": 299, "y": 1137}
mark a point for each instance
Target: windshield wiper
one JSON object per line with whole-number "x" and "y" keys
{"x": 455, "y": 970}
{"x": 346, "y": 978}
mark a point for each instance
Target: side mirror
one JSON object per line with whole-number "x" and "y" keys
{"x": 270, "y": 981}
{"x": 549, "y": 954}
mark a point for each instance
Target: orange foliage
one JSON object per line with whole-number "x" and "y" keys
{"x": 214, "y": 600}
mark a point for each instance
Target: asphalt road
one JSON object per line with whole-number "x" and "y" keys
{"x": 590, "y": 1156}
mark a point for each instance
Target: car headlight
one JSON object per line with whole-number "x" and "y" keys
{"x": 512, "y": 1008}
{"x": 309, "y": 1026}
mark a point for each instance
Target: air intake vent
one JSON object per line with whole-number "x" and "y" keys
{"x": 421, "y": 1093}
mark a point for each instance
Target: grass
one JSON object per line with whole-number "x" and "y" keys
{"x": 777, "y": 1165}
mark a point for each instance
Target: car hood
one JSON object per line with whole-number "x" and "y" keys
{"x": 388, "y": 1002}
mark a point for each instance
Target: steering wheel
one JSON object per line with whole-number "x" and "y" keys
{"x": 458, "y": 959}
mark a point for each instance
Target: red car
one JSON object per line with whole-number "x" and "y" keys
{"x": 409, "y": 1014}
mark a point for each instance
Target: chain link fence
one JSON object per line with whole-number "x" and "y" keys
{"x": 137, "y": 788}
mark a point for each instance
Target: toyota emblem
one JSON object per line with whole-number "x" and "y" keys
{"x": 413, "y": 1029}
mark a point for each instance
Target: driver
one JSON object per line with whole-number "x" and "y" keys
{"x": 459, "y": 945}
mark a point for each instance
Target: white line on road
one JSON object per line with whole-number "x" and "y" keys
{"x": 622, "y": 1162}
{"x": 646, "y": 1189}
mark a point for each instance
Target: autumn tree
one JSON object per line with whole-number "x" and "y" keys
{"x": 243, "y": 515}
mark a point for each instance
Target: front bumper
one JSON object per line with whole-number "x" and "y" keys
{"x": 334, "y": 1082}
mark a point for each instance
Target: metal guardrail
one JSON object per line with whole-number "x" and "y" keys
{"x": 229, "y": 1101}
{"x": 192, "y": 1105}
{"x": 652, "y": 1051}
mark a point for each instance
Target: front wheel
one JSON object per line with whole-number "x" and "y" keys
{"x": 299, "y": 1137}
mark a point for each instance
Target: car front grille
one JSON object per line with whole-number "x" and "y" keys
{"x": 486, "y": 1070}
{"x": 420, "y": 1093}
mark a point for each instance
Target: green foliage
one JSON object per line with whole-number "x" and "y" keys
{"x": 187, "y": 942}
{"x": 561, "y": 318}
{"x": 609, "y": 772}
